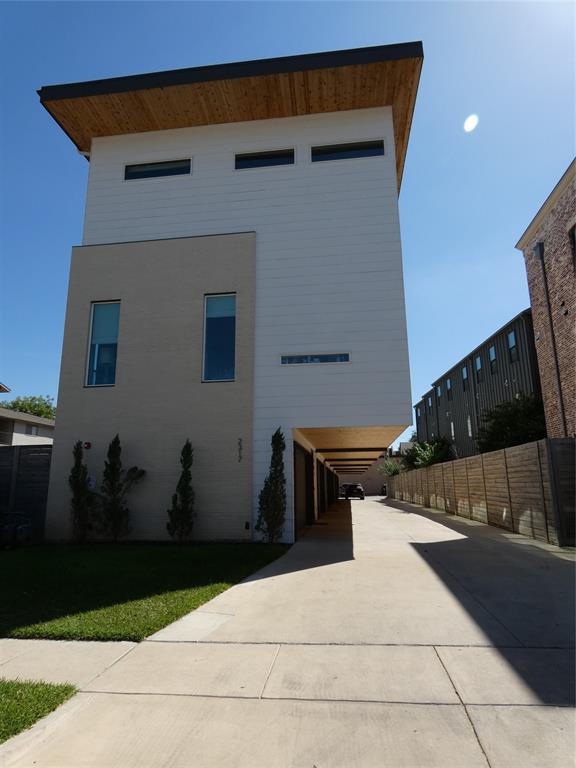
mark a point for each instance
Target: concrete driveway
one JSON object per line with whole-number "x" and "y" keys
{"x": 387, "y": 636}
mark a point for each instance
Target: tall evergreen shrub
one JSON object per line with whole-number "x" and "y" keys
{"x": 272, "y": 499}
{"x": 181, "y": 513}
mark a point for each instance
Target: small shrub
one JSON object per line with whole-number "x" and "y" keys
{"x": 426, "y": 454}
{"x": 391, "y": 468}
{"x": 114, "y": 514}
{"x": 82, "y": 501}
{"x": 181, "y": 513}
{"x": 272, "y": 499}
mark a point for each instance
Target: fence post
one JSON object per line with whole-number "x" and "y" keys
{"x": 14, "y": 477}
{"x": 547, "y": 446}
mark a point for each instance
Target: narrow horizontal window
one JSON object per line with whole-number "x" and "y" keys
{"x": 347, "y": 151}
{"x": 103, "y": 344}
{"x": 341, "y": 357}
{"x": 153, "y": 170}
{"x": 220, "y": 337}
{"x": 264, "y": 159}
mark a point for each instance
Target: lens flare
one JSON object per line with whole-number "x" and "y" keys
{"x": 470, "y": 123}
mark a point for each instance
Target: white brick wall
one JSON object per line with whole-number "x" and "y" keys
{"x": 328, "y": 265}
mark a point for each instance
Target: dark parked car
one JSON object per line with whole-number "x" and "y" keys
{"x": 15, "y": 529}
{"x": 354, "y": 490}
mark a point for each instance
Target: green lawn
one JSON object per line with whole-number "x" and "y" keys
{"x": 23, "y": 702}
{"x": 116, "y": 592}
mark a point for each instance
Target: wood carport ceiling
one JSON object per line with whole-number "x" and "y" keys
{"x": 359, "y": 78}
{"x": 351, "y": 449}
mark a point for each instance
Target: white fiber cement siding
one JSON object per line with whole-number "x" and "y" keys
{"x": 328, "y": 257}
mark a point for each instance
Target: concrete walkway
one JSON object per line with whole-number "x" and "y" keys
{"x": 387, "y": 637}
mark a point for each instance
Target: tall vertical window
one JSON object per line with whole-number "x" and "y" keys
{"x": 103, "y": 344}
{"x": 512, "y": 347}
{"x": 439, "y": 391}
{"x": 464, "y": 377}
{"x": 449, "y": 388}
{"x": 429, "y": 405}
{"x": 220, "y": 337}
{"x": 478, "y": 366}
{"x": 492, "y": 358}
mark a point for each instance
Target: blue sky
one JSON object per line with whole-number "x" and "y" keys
{"x": 466, "y": 197}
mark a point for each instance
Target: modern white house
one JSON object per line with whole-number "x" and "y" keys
{"x": 240, "y": 271}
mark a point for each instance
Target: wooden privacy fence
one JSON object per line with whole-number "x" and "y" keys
{"x": 24, "y": 474}
{"x": 528, "y": 489}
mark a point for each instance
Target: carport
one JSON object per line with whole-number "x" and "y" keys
{"x": 322, "y": 454}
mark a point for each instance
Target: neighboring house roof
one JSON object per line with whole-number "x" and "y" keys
{"x": 4, "y": 388}
{"x": 7, "y": 413}
{"x": 567, "y": 178}
{"x": 358, "y": 78}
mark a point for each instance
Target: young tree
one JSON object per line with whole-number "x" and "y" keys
{"x": 82, "y": 501}
{"x": 37, "y": 405}
{"x": 507, "y": 424}
{"x": 181, "y": 513}
{"x": 390, "y": 468}
{"x": 116, "y": 484}
{"x": 272, "y": 499}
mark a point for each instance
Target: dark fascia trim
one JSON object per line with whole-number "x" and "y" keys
{"x": 348, "y": 450}
{"x": 235, "y": 70}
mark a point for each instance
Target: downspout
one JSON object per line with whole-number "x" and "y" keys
{"x": 538, "y": 252}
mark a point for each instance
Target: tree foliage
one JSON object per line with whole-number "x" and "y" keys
{"x": 117, "y": 482}
{"x": 514, "y": 423}
{"x": 391, "y": 468}
{"x": 181, "y": 513}
{"x": 37, "y": 405}
{"x": 272, "y": 499}
{"x": 82, "y": 500}
{"x": 425, "y": 454}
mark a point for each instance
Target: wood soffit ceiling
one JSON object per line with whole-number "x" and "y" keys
{"x": 359, "y": 78}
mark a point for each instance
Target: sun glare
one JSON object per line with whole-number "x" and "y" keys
{"x": 470, "y": 123}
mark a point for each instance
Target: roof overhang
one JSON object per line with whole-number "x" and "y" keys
{"x": 358, "y": 78}
{"x": 567, "y": 178}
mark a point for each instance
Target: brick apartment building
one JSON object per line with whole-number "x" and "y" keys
{"x": 550, "y": 256}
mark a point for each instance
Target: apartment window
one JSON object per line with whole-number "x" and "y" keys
{"x": 439, "y": 390}
{"x": 512, "y": 347}
{"x": 469, "y": 425}
{"x": 103, "y": 344}
{"x": 31, "y": 429}
{"x": 452, "y": 430}
{"x": 219, "y": 337}
{"x": 336, "y": 357}
{"x": 572, "y": 238}
{"x": 418, "y": 412}
{"x": 264, "y": 159}
{"x": 478, "y": 366}
{"x": 464, "y": 377}
{"x": 449, "y": 389}
{"x": 492, "y": 358}
{"x": 347, "y": 151}
{"x": 429, "y": 405}
{"x": 153, "y": 170}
